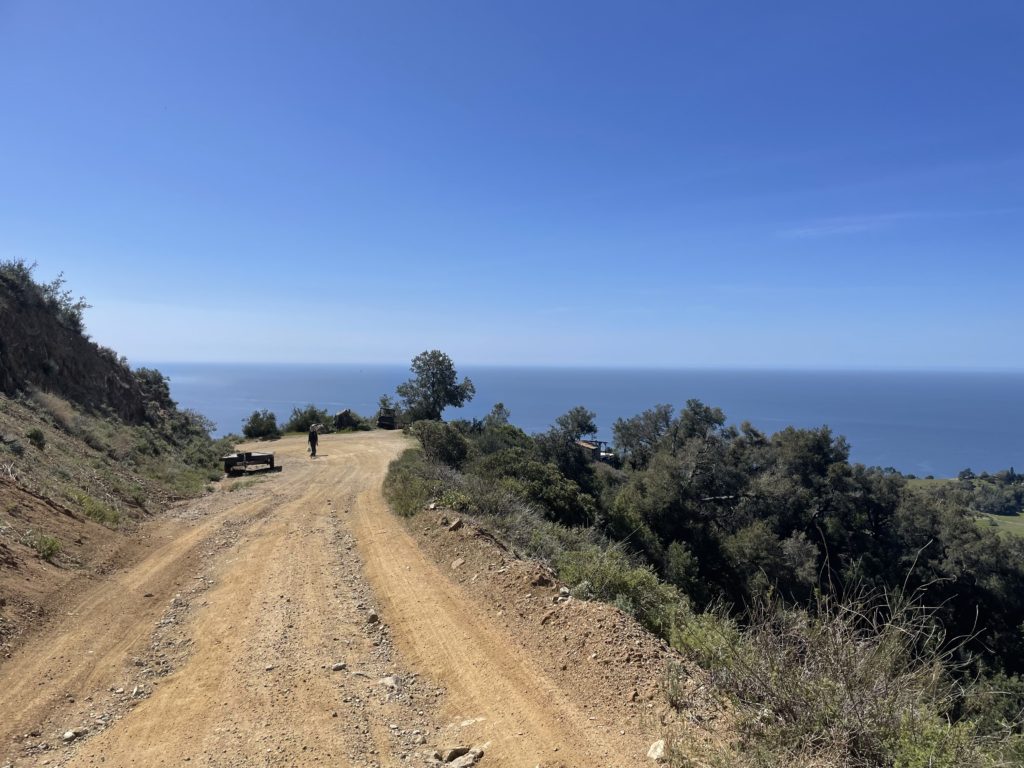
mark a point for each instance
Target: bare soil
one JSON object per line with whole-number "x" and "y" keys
{"x": 296, "y": 621}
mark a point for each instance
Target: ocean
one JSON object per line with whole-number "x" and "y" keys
{"x": 918, "y": 422}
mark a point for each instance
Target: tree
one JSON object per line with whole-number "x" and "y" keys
{"x": 498, "y": 417}
{"x": 303, "y": 418}
{"x": 558, "y": 446}
{"x": 261, "y": 424}
{"x": 576, "y": 422}
{"x": 442, "y": 443}
{"x": 434, "y": 387}
{"x": 53, "y": 295}
{"x": 638, "y": 437}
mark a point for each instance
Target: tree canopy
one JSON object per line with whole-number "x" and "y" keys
{"x": 433, "y": 387}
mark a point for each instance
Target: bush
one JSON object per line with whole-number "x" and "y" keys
{"x": 303, "y": 418}
{"x": 53, "y": 295}
{"x": 441, "y": 442}
{"x": 261, "y": 425}
{"x": 350, "y": 421}
{"x": 46, "y": 547}
{"x": 412, "y": 482}
{"x": 524, "y": 475}
{"x": 37, "y": 438}
{"x": 98, "y": 511}
{"x": 59, "y": 409}
{"x": 94, "y": 441}
{"x": 608, "y": 574}
{"x": 847, "y": 683}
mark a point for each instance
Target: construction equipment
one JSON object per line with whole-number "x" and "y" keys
{"x": 387, "y": 418}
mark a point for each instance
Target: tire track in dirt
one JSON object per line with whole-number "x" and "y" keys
{"x": 291, "y": 569}
{"x": 110, "y": 622}
{"x": 526, "y": 718}
{"x": 259, "y": 687}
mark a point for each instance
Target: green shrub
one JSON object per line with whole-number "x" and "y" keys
{"x": 441, "y": 442}
{"x": 453, "y": 498}
{"x": 350, "y": 421}
{"x": 261, "y": 424}
{"x": 524, "y": 475}
{"x": 412, "y": 482}
{"x": 46, "y": 547}
{"x": 303, "y": 418}
{"x": 712, "y": 638}
{"x": 37, "y": 438}
{"x": 96, "y": 510}
{"x": 608, "y": 574}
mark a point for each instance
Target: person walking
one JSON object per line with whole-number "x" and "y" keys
{"x": 314, "y": 438}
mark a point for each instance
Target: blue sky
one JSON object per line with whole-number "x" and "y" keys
{"x": 706, "y": 184}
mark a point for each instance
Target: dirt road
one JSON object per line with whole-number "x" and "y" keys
{"x": 290, "y": 621}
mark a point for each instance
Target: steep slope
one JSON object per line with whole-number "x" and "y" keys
{"x": 43, "y": 348}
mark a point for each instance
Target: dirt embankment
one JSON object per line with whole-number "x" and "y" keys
{"x": 33, "y": 586}
{"x": 38, "y": 351}
{"x": 296, "y": 621}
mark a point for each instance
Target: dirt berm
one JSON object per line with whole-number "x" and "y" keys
{"x": 291, "y": 619}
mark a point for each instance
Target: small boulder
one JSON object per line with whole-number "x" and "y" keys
{"x": 391, "y": 681}
{"x": 451, "y": 753}
{"x": 338, "y": 667}
{"x": 657, "y": 751}
{"x": 458, "y": 563}
{"x": 455, "y": 524}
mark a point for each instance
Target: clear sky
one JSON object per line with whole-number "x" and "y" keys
{"x": 816, "y": 184}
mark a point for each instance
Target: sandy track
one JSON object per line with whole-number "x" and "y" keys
{"x": 525, "y": 717}
{"x": 294, "y": 565}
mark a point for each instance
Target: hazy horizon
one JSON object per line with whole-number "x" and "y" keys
{"x": 582, "y": 367}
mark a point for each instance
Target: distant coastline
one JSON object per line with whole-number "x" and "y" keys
{"x": 920, "y": 422}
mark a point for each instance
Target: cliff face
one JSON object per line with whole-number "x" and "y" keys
{"x": 38, "y": 350}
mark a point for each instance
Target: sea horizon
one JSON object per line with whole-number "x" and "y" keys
{"x": 917, "y": 421}
{"x": 596, "y": 367}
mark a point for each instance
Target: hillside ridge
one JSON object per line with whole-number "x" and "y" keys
{"x": 45, "y": 348}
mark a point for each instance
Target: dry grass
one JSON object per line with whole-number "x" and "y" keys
{"x": 855, "y": 683}
{"x": 60, "y": 410}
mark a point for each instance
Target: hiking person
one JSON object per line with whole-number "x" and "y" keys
{"x": 314, "y": 438}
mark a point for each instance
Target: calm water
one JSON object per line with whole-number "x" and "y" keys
{"x": 924, "y": 423}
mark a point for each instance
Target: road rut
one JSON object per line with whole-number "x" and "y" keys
{"x": 259, "y": 594}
